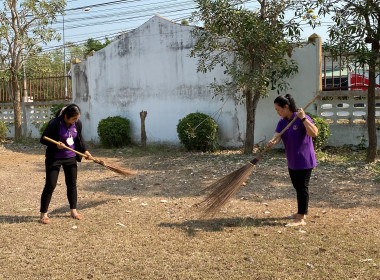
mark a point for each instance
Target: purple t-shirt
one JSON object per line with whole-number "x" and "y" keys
{"x": 299, "y": 148}
{"x": 67, "y": 136}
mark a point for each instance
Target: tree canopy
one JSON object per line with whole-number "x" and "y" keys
{"x": 254, "y": 47}
{"x": 94, "y": 45}
{"x": 25, "y": 25}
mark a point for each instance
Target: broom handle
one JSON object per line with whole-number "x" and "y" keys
{"x": 68, "y": 148}
{"x": 255, "y": 160}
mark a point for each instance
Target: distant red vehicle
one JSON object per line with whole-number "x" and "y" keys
{"x": 352, "y": 82}
{"x": 359, "y": 82}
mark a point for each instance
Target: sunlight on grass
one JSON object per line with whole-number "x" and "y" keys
{"x": 341, "y": 155}
{"x": 146, "y": 226}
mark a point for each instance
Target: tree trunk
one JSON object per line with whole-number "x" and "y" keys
{"x": 250, "y": 124}
{"x": 16, "y": 107}
{"x": 371, "y": 117}
{"x": 143, "y": 132}
{"x": 251, "y": 105}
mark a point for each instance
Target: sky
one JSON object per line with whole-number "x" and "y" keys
{"x": 107, "y": 18}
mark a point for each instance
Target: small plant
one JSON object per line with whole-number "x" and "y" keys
{"x": 3, "y": 131}
{"x": 43, "y": 127}
{"x": 184, "y": 22}
{"x": 363, "y": 143}
{"x": 197, "y": 132}
{"x": 53, "y": 109}
{"x": 114, "y": 132}
{"x": 323, "y": 132}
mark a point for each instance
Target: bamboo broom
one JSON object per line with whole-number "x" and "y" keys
{"x": 223, "y": 189}
{"x": 117, "y": 169}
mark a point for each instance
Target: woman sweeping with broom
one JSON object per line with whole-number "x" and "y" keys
{"x": 299, "y": 150}
{"x": 66, "y": 129}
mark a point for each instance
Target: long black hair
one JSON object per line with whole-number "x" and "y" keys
{"x": 286, "y": 99}
{"x": 70, "y": 111}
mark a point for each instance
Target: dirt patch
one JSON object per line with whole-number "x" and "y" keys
{"x": 144, "y": 226}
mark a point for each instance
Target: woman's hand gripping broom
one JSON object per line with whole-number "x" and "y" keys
{"x": 117, "y": 169}
{"x": 223, "y": 189}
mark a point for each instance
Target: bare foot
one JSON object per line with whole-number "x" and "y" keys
{"x": 75, "y": 215}
{"x": 296, "y": 223}
{"x": 297, "y": 216}
{"x": 44, "y": 219}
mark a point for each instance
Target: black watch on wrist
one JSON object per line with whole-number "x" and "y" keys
{"x": 303, "y": 119}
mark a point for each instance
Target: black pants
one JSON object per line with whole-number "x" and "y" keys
{"x": 300, "y": 181}
{"x": 52, "y": 171}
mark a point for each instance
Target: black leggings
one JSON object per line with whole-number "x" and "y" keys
{"x": 52, "y": 171}
{"x": 300, "y": 181}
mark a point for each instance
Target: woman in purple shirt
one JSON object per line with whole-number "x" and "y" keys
{"x": 299, "y": 150}
{"x": 65, "y": 128}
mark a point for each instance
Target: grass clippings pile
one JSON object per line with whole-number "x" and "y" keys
{"x": 144, "y": 227}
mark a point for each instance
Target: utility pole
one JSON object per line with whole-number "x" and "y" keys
{"x": 25, "y": 87}
{"x": 64, "y": 55}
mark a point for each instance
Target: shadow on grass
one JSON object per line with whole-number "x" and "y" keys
{"x": 332, "y": 186}
{"x": 55, "y": 213}
{"x": 18, "y": 219}
{"x": 212, "y": 225}
{"x": 83, "y": 205}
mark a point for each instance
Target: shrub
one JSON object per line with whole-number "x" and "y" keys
{"x": 114, "y": 132}
{"x": 53, "y": 109}
{"x": 3, "y": 131}
{"x": 43, "y": 127}
{"x": 323, "y": 132}
{"x": 197, "y": 132}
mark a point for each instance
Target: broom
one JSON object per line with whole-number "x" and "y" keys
{"x": 117, "y": 169}
{"x": 223, "y": 189}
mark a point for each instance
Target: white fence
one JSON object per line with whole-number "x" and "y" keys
{"x": 346, "y": 112}
{"x": 34, "y": 115}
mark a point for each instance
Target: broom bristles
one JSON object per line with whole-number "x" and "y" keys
{"x": 223, "y": 189}
{"x": 117, "y": 169}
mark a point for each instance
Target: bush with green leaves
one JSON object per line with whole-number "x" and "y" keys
{"x": 197, "y": 132}
{"x": 114, "y": 132}
{"x": 323, "y": 131}
{"x": 43, "y": 127}
{"x": 3, "y": 131}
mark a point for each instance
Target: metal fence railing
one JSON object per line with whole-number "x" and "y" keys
{"x": 38, "y": 88}
{"x": 340, "y": 73}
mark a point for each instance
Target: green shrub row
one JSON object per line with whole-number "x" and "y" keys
{"x": 196, "y": 131}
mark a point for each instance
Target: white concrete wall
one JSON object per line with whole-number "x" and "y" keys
{"x": 150, "y": 69}
{"x": 303, "y": 87}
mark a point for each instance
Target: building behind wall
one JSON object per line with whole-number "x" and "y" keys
{"x": 150, "y": 69}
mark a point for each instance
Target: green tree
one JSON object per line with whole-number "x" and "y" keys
{"x": 94, "y": 45}
{"x": 76, "y": 51}
{"x": 356, "y": 30}
{"x": 24, "y": 25}
{"x": 252, "y": 46}
{"x": 44, "y": 63}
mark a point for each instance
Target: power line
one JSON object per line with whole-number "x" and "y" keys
{"x": 113, "y": 12}
{"x": 140, "y": 12}
{"x": 120, "y": 17}
{"x": 101, "y": 5}
{"x": 121, "y": 11}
